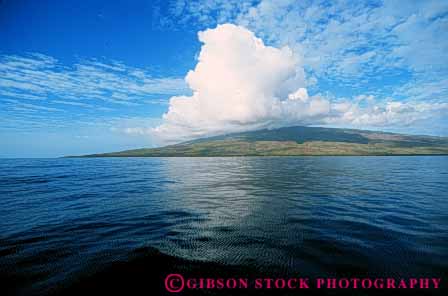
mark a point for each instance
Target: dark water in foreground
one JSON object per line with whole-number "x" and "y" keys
{"x": 66, "y": 223}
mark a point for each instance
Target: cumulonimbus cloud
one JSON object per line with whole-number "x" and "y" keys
{"x": 240, "y": 84}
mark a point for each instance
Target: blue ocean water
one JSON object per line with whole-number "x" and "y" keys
{"x": 66, "y": 218}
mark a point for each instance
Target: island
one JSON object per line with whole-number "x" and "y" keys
{"x": 297, "y": 141}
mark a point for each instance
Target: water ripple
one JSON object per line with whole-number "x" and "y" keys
{"x": 315, "y": 215}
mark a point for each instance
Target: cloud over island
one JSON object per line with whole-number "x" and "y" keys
{"x": 240, "y": 84}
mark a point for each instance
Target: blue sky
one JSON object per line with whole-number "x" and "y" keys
{"x": 95, "y": 76}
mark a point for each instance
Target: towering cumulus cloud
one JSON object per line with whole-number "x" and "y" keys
{"x": 239, "y": 84}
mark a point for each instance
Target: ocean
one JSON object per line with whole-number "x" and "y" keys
{"x": 72, "y": 225}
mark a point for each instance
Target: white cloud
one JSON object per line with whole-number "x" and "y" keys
{"x": 236, "y": 84}
{"x": 239, "y": 83}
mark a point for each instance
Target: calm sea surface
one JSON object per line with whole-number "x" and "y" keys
{"x": 62, "y": 219}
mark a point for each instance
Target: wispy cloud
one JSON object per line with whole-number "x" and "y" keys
{"x": 184, "y": 14}
{"x": 40, "y": 77}
{"x": 363, "y": 38}
{"x": 71, "y": 103}
{"x": 16, "y": 104}
{"x": 38, "y": 91}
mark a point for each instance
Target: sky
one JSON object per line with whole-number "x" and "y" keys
{"x": 79, "y": 77}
